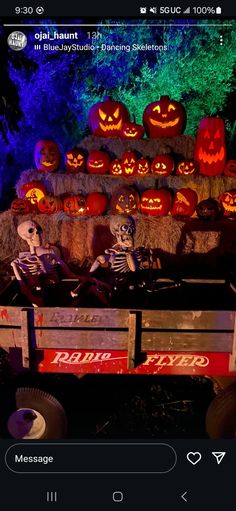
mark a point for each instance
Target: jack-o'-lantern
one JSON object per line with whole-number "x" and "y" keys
{"x": 125, "y": 199}
{"x": 116, "y": 167}
{"x": 210, "y": 148}
{"x": 185, "y": 202}
{"x": 131, "y": 131}
{"x": 187, "y": 167}
{"x": 156, "y": 202}
{"x": 98, "y": 162}
{"x": 33, "y": 191}
{"x": 50, "y": 204}
{"x": 230, "y": 168}
{"x": 142, "y": 167}
{"x": 208, "y": 209}
{"x": 128, "y": 161}
{"x": 21, "y": 207}
{"x": 106, "y": 118}
{"x": 75, "y": 205}
{"x": 47, "y": 155}
{"x": 75, "y": 160}
{"x": 162, "y": 165}
{"x": 97, "y": 203}
{"x": 164, "y": 118}
{"x": 228, "y": 202}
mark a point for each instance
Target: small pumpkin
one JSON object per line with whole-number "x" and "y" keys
{"x": 185, "y": 202}
{"x": 97, "y": 203}
{"x": 98, "y": 162}
{"x": 162, "y": 165}
{"x": 187, "y": 167}
{"x": 106, "y": 118}
{"x": 131, "y": 131}
{"x": 125, "y": 199}
{"x": 21, "y": 207}
{"x": 230, "y": 168}
{"x": 75, "y": 160}
{"x": 33, "y": 191}
{"x": 208, "y": 209}
{"x": 210, "y": 148}
{"x": 142, "y": 167}
{"x": 164, "y": 118}
{"x": 128, "y": 161}
{"x": 227, "y": 200}
{"x": 116, "y": 167}
{"x": 50, "y": 204}
{"x": 75, "y": 205}
{"x": 156, "y": 202}
{"x": 47, "y": 155}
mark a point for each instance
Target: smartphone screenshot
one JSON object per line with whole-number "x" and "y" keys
{"x": 117, "y": 256}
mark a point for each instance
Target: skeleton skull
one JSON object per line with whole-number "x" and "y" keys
{"x": 31, "y": 233}
{"x": 123, "y": 228}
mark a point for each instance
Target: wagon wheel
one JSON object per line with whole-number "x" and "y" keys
{"x": 38, "y": 416}
{"x": 221, "y": 414}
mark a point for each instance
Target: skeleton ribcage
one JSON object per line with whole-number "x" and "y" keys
{"x": 124, "y": 261}
{"x": 33, "y": 265}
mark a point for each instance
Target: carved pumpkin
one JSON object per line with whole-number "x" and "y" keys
{"x": 75, "y": 205}
{"x": 185, "y": 202}
{"x": 208, "y": 209}
{"x": 187, "y": 167}
{"x": 230, "y": 168}
{"x": 75, "y": 160}
{"x": 156, "y": 202}
{"x": 47, "y": 155}
{"x": 164, "y": 118}
{"x": 228, "y": 202}
{"x": 210, "y": 149}
{"x": 142, "y": 167}
{"x": 33, "y": 191}
{"x": 116, "y": 167}
{"x": 125, "y": 199}
{"x": 106, "y": 118}
{"x": 21, "y": 207}
{"x": 98, "y": 162}
{"x": 162, "y": 165}
{"x": 132, "y": 131}
{"x": 50, "y": 204}
{"x": 97, "y": 203}
{"x": 128, "y": 161}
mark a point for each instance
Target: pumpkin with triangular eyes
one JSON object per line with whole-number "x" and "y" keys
{"x": 156, "y": 202}
{"x": 164, "y": 118}
{"x": 107, "y": 117}
{"x": 116, "y": 167}
{"x": 125, "y": 199}
{"x": 210, "y": 147}
{"x": 47, "y": 155}
{"x": 187, "y": 167}
{"x": 50, "y": 204}
{"x": 142, "y": 167}
{"x": 98, "y": 162}
{"x": 162, "y": 165}
{"x": 131, "y": 131}
{"x": 75, "y": 160}
{"x": 227, "y": 200}
{"x": 128, "y": 161}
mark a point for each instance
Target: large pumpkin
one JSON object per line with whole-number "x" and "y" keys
{"x": 97, "y": 203}
{"x": 75, "y": 205}
{"x": 116, "y": 167}
{"x": 230, "y": 168}
{"x": 75, "y": 160}
{"x": 50, "y": 204}
{"x": 156, "y": 202}
{"x": 106, "y": 118}
{"x": 125, "y": 199}
{"x": 164, "y": 118}
{"x": 33, "y": 191}
{"x": 128, "y": 161}
{"x": 47, "y": 155}
{"x": 98, "y": 162}
{"x": 162, "y": 165}
{"x": 228, "y": 202}
{"x": 142, "y": 167}
{"x": 21, "y": 206}
{"x": 187, "y": 167}
{"x": 131, "y": 131}
{"x": 185, "y": 202}
{"x": 208, "y": 209}
{"x": 210, "y": 148}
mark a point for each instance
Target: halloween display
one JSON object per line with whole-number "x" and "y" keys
{"x": 185, "y": 202}
{"x": 187, "y": 168}
{"x": 132, "y": 131}
{"x": 98, "y": 162}
{"x": 75, "y": 205}
{"x": 75, "y": 160}
{"x": 210, "y": 148}
{"x": 125, "y": 199}
{"x": 106, "y": 117}
{"x": 162, "y": 165}
{"x": 33, "y": 191}
{"x": 128, "y": 161}
{"x": 97, "y": 203}
{"x": 208, "y": 209}
{"x": 116, "y": 167}
{"x": 156, "y": 202}
{"x": 50, "y": 204}
{"x": 142, "y": 167}
{"x": 164, "y": 118}
{"x": 230, "y": 168}
{"x": 228, "y": 202}
{"x": 21, "y": 206}
{"x": 47, "y": 155}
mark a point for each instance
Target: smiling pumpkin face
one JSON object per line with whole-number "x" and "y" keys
{"x": 228, "y": 202}
{"x": 98, "y": 162}
{"x": 128, "y": 161}
{"x": 74, "y": 161}
{"x": 164, "y": 118}
{"x": 155, "y": 202}
{"x": 116, "y": 167}
{"x": 187, "y": 167}
{"x": 132, "y": 131}
{"x": 107, "y": 117}
{"x": 210, "y": 148}
{"x": 142, "y": 167}
{"x": 125, "y": 199}
{"x": 163, "y": 165}
{"x": 46, "y": 155}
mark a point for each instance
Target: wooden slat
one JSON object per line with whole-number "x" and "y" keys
{"x": 232, "y": 360}
{"x": 10, "y": 316}
{"x": 10, "y": 337}
{"x": 82, "y": 317}
{"x": 81, "y": 339}
{"x": 25, "y": 338}
{"x": 188, "y": 320}
{"x": 132, "y": 339}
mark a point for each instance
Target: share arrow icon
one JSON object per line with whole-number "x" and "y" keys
{"x": 219, "y": 456}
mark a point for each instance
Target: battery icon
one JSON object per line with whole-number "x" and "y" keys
{"x": 218, "y": 10}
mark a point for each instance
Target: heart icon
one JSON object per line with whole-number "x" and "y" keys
{"x": 194, "y": 457}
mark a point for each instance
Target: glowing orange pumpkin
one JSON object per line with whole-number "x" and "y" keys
{"x": 132, "y": 131}
{"x": 156, "y": 202}
{"x": 75, "y": 160}
{"x": 75, "y": 205}
{"x": 125, "y": 199}
{"x": 21, "y": 206}
{"x": 97, "y": 203}
{"x": 128, "y": 161}
{"x": 116, "y": 167}
{"x": 162, "y": 165}
{"x": 210, "y": 148}
{"x": 50, "y": 204}
{"x": 142, "y": 167}
{"x": 185, "y": 202}
{"x": 98, "y": 162}
{"x": 187, "y": 167}
{"x": 33, "y": 191}
{"x": 228, "y": 202}
{"x": 47, "y": 155}
{"x": 106, "y": 118}
{"x": 164, "y": 118}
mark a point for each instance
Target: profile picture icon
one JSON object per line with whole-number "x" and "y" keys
{"x": 17, "y": 41}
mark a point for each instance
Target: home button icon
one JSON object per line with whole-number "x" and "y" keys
{"x": 117, "y": 496}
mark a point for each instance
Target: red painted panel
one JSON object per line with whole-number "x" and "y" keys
{"x": 115, "y": 362}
